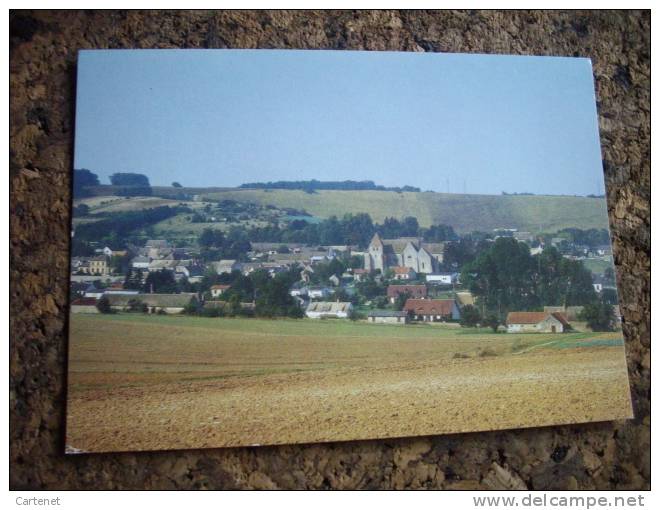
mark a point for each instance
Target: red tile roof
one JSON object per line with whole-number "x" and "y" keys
{"x": 401, "y": 270}
{"x": 429, "y": 306}
{"x": 85, "y": 301}
{"x": 416, "y": 291}
{"x": 534, "y": 317}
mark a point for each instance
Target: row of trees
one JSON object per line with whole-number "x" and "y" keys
{"x": 313, "y": 185}
{"x": 506, "y": 277}
{"x": 354, "y": 229}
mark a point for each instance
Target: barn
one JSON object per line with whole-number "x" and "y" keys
{"x": 387, "y": 317}
{"x": 536, "y": 322}
{"x": 432, "y": 310}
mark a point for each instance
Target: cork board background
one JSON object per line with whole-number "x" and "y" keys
{"x": 43, "y": 48}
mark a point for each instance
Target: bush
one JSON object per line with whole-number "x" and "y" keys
{"x": 461, "y": 355}
{"x": 599, "y": 316}
{"x": 103, "y": 305}
{"x": 470, "y": 316}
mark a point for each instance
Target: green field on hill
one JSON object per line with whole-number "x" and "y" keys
{"x": 465, "y": 213}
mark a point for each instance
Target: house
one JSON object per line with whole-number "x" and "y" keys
{"x": 219, "y": 290}
{"x": 329, "y": 310}
{"x": 403, "y": 273}
{"x": 432, "y": 310}
{"x": 464, "y": 298}
{"x": 601, "y": 283}
{"x": 318, "y": 292}
{"x": 297, "y": 291}
{"x": 93, "y": 292}
{"x": 442, "y": 278}
{"x": 84, "y": 305}
{"x": 226, "y": 266}
{"x": 536, "y": 322}
{"x": 98, "y": 265}
{"x": 360, "y": 275}
{"x": 387, "y": 317}
{"x": 167, "y": 303}
{"x": 125, "y": 292}
{"x": 413, "y": 291}
{"x": 334, "y": 280}
{"x": 406, "y": 251}
{"x": 140, "y": 262}
{"x": 160, "y": 264}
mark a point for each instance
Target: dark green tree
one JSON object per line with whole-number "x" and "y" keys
{"x": 103, "y": 305}
{"x": 129, "y": 179}
{"x": 176, "y": 185}
{"x": 470, "y": 316}
{"x": 599, "y": 316}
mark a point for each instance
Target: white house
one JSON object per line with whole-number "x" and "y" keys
{"x": 387, "y": 317}
{"x": 536, "y": 322}
{"x": 226, "y": 266}
{"x": 318, "y": 292}
{"x": 442, "y": 278}
{"x": 219, "y": 290}
{"x": 140, "y": 263}
{"x": 329, "y": 310}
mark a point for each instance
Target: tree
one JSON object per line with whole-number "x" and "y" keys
{"x": 401, "y": 299}
{"x": 129, "y": 179}
{"x": 609, "y": 297}
{"x": 599, "y": 316}
{"x": 103, "y": 305}
{"x": 176, "y": 185}
{"x": 135, "y": 305}
{"x": 160, "y": 282}
{"x": 492, "y": 322}
{"x": 470, "y": 316}
{"x": 82, "y": 179}
{"x": 211, "y": 238}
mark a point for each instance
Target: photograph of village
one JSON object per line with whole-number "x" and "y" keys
{"x": 296, "y": 247}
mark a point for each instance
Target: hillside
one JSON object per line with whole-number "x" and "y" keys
{"x": 464, "y": 212}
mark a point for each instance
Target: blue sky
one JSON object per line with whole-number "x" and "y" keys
{"x": 441, "y": 122}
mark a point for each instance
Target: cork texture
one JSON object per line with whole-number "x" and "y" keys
{"x": 43, "y": 51}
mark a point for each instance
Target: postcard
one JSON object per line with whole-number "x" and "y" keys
{"x": 275, "y": 247}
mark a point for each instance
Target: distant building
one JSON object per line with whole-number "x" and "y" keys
{"x": 432, "y": 310}
{"x": 536, "y": 322}
{"x": 387, "y": 317}
{"x": 219, "y": 290}
{"x": 140, "y": 263}
{"x": 98, "y": 265}
{"x": 334, "y": 280}
{"x": 168, "y": 303}
{"x": 318, "y": 292}
{"x": 403, "y": 273}
{"x": 226, "y": 266}
{"x": 407, "y": 251}
{"x": 84, "y": 305}
{"x": 414, "y": 291}
{"x": 442, "y": 278}
{"x": 360, "y": 274}
{"x": 329, "y": 310}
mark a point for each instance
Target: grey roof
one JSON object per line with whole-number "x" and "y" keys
{"x": 386, "y": 313}
{"x": 158, "y": 300}
{"x": 329, "y": 307}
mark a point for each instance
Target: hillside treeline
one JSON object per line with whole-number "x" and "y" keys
{"x": 313, "y": 185}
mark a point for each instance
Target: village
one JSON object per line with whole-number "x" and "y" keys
{"x": 393, "y": 281}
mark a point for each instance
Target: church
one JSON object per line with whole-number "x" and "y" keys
{"x": 411, "y": 252}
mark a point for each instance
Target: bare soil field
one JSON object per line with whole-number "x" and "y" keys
{"x": 148, "y": 383}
